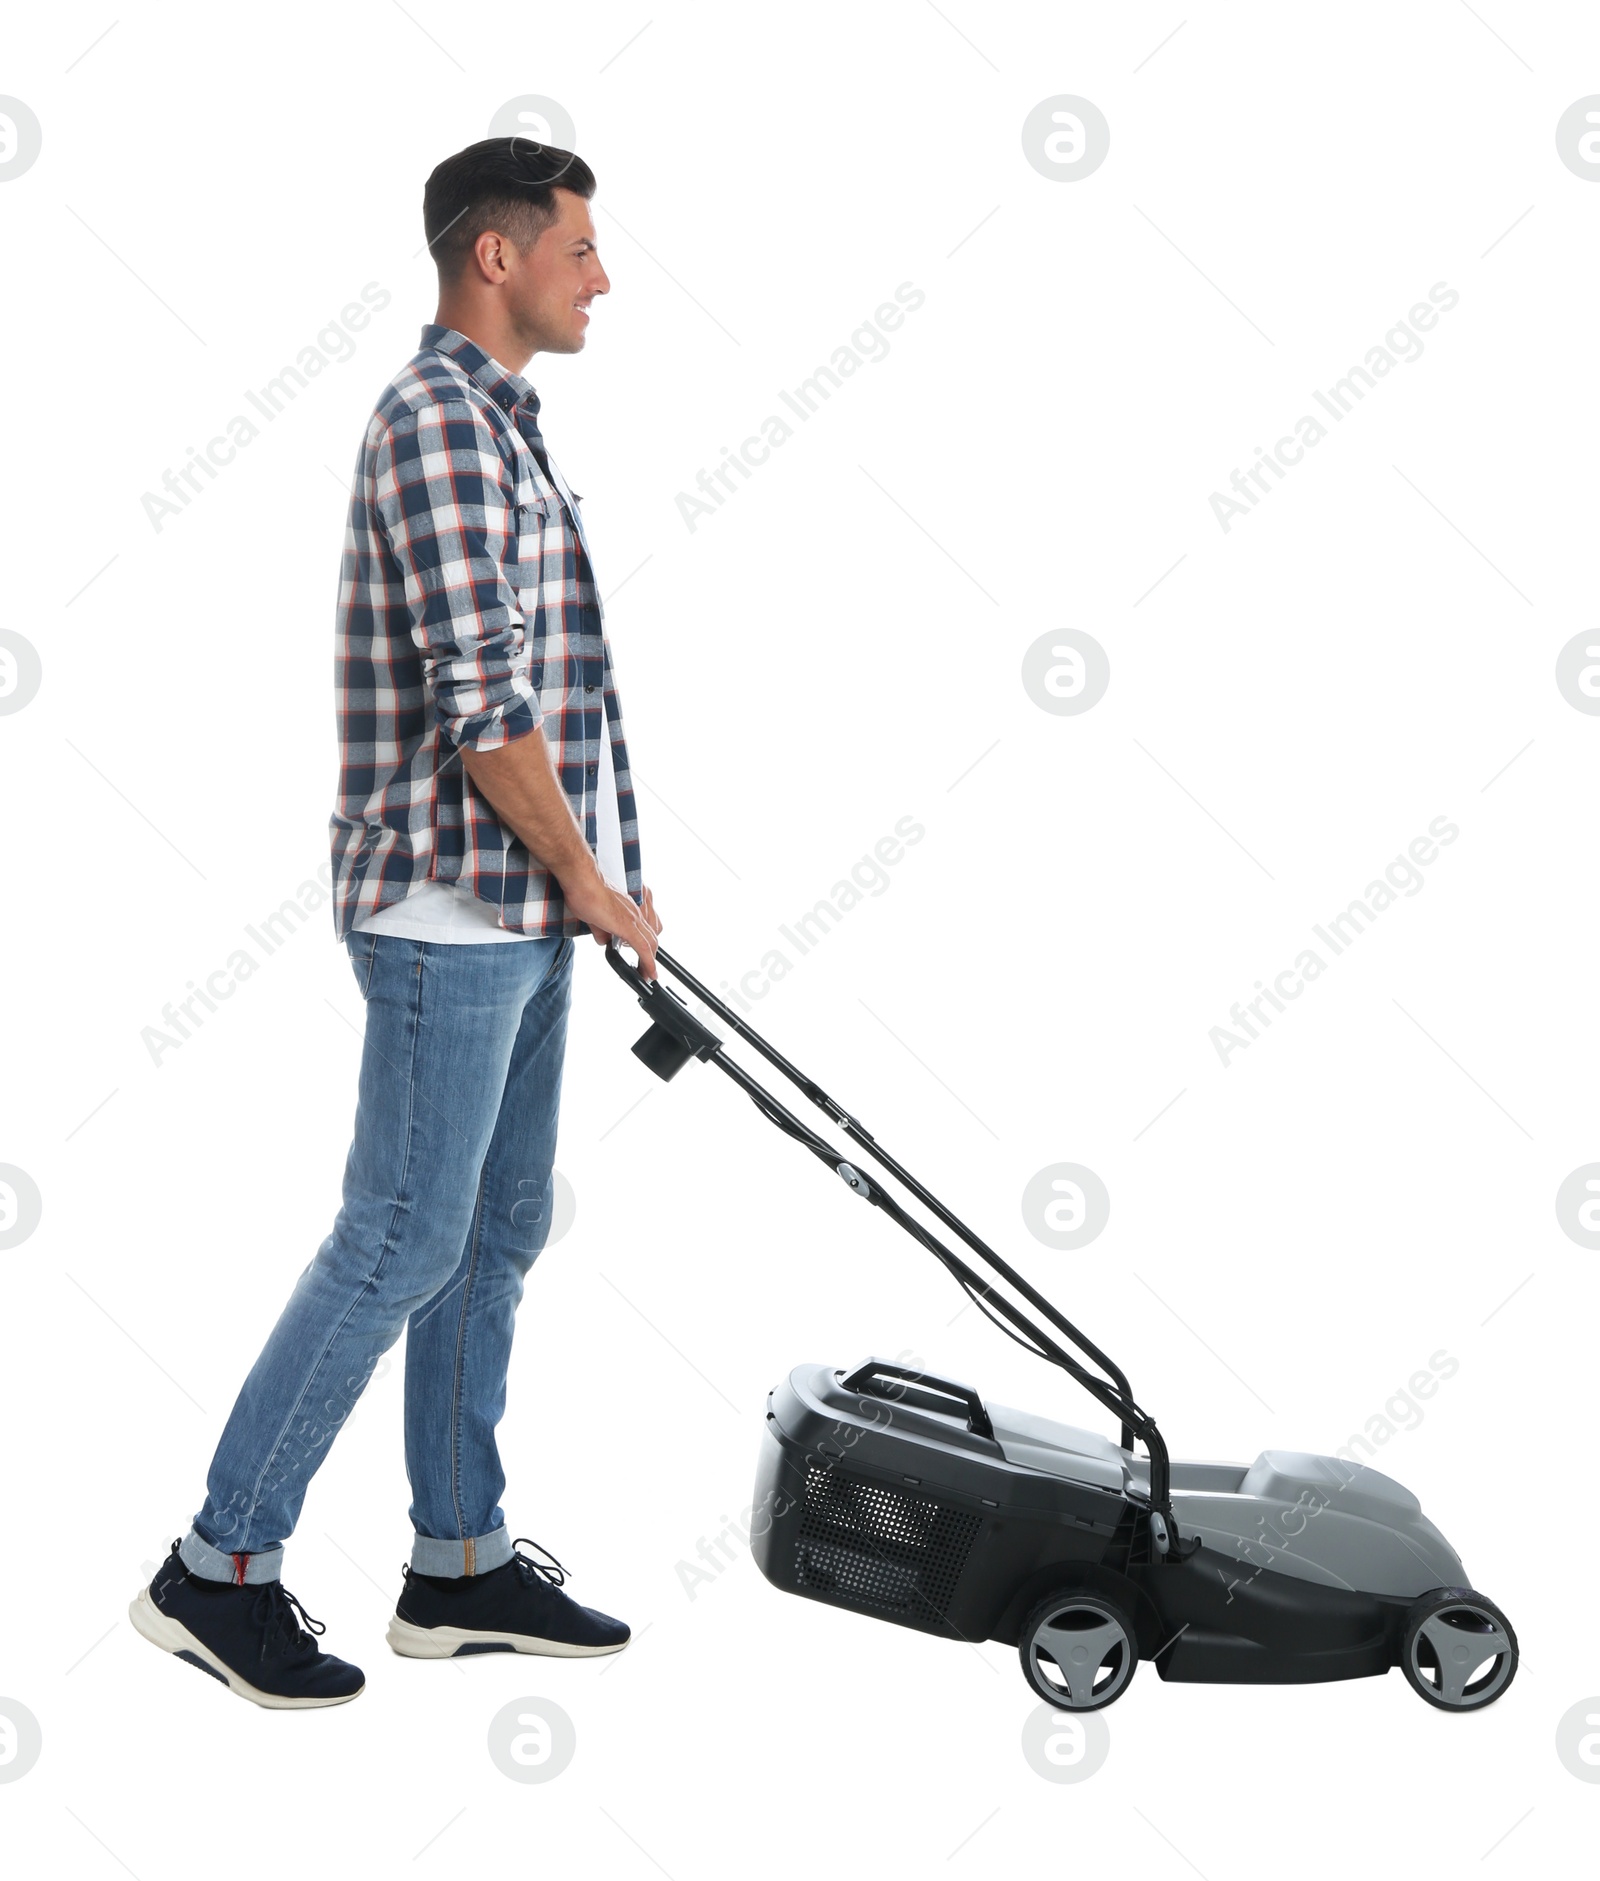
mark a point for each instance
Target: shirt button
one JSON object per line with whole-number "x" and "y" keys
{"x": 588, "y": 688}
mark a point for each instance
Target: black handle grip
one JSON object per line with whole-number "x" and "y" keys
{"x": 864, "y": 1376}
{"x": 631, "y": 974}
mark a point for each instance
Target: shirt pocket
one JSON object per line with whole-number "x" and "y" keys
{"x": 536, "y": 510}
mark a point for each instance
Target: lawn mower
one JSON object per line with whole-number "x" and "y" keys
{"x": 903, "y": 1495}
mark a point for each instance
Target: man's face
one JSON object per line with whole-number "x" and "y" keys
{"x": 552, "y": 283}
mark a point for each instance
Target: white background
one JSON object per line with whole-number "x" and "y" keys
{"x": 841, "y": 645}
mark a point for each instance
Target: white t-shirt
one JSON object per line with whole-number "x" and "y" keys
{"x": 438, "y": 911}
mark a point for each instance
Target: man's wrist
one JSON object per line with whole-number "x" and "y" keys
{"x": 581, "y": 872}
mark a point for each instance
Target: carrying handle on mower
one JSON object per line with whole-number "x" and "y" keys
{"x": 921, "y": 1386}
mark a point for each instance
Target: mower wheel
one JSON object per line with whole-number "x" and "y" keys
{"x": 1459, "y": 1652}
{"x": 1078, "y": 1650}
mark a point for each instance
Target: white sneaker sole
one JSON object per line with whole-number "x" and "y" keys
{"x": 171, "y": 1636}
{"x": 445, "y": 1642}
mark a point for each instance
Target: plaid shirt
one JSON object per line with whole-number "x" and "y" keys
{"x": 468, "y": 615}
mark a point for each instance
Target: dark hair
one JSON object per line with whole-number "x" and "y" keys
{"x": 504, "y": 183}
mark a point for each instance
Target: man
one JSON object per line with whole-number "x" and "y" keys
{"x": 485, "y": 817}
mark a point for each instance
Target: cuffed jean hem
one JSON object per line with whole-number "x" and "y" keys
{"x": 211, "y": 1564}
{"x": 453, "y": 1560}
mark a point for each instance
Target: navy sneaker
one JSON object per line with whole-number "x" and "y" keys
{"x": 516, "y": 1608}
{"x": 257, "y": 1640}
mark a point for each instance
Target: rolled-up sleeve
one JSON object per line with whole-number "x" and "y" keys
{"x": 444, "y": 498}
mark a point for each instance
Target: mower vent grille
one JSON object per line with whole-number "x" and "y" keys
{"x": 873, "y": 1547}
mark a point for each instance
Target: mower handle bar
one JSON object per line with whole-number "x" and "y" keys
{"x": 676, "y": 1035}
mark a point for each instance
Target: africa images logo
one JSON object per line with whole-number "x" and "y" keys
{"x": 867, "y": 345}
{"x": 1403, "y": 877}
{"x": 1401, "y": 345}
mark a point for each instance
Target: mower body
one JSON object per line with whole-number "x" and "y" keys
{"x": 937, "y": 1512}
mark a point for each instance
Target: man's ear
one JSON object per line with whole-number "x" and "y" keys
{"x": 489, "y": 254}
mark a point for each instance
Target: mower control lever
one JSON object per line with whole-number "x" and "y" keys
{"x": 675, "y": 1034}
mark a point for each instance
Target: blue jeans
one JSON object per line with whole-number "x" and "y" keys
{"x": 446, "y": 1205}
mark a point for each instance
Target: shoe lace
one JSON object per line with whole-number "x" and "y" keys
{"x": 551, "y": 1569}
{"x": 285, "y": 1624}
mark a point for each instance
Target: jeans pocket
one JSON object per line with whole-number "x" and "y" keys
{"x": 362, "y": 949}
